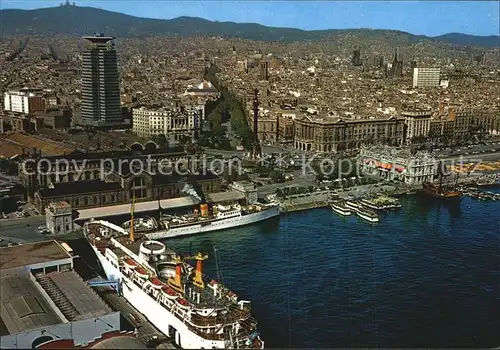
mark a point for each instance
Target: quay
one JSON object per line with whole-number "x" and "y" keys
{"x": 147, "y": 334}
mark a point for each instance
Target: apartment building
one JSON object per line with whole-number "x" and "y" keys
{"x": 417, "y": 124}
{"x": 24, "y": 101}
{"x": 426, "y": 77}
{"x": 174, "y": 123}
{"x": 333, "y": 134}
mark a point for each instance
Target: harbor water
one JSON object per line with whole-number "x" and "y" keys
{"x": 425, "y": 276}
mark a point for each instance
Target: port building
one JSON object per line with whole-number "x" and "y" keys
{"x": 46, "y": 304}
{"x": 397, "y": 164}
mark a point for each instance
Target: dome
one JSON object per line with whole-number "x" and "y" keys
{"x": 119, "y": 342}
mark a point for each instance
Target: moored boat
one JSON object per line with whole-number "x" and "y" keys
{"x": 339, "y": 207}
{"x": 368, "y": 215}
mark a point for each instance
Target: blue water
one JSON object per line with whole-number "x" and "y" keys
{"x": 426, "y": 276}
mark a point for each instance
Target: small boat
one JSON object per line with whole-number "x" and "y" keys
{"x": 368, "y": 215}
{"x": 340, "y": 208}
{"x": 353, "y": 205}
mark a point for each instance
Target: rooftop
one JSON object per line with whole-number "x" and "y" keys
{"x": 84, "y": 301}
{"x": 31, "y": 253}
{"x": 73, "y": 188}
{"x": 22, "y": 306}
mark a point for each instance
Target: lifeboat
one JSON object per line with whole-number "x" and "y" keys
{"x": 141, "y": 272}
{"x": 182, "y": 303}
{"x": 171, "y": 294}
{"x": 156, "y": 283}
{"x": 131, "y": 263}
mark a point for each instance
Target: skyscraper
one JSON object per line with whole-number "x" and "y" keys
{"x": 264, "y": 70}
{"x": 356, "y": 58}
{"x": 100, "y": 84}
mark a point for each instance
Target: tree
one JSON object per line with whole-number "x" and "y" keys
{"x": 161, "y": 141}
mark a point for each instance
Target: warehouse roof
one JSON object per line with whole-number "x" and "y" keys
{"x": 31, "y": 253}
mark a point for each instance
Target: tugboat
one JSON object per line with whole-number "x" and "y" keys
{"x": 340, "y": 208}
{"x": 439, "y": 190}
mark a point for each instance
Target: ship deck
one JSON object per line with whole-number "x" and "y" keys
{"x": 207, "y": 299}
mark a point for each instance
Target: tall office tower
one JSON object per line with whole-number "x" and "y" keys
{"x": 264, "y": 70}
{"x": 100, "y": 84}
{"x": 356, "y": 58}
{"x": 423, "y": 77}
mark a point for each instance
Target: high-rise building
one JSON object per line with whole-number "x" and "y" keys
{"x": 100, "y": 84}
{"x": 264, "y": 70}
{"x": 356, "y": 58}
{"x": 424, "y": 77}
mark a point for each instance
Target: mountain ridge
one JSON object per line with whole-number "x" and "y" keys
{"x": 76, "y": 20}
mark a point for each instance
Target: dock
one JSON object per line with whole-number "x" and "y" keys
{"x": 147, "y": 333}
{"x": 145, "y": 330}
{"x": 304, "y": 203}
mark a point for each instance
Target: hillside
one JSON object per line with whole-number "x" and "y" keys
{"x": 74, "y": 20}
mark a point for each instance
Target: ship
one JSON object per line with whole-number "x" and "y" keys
{"x": 219, "y": 217}
{"x": 193, "y": 310}
{"x": 382, "y": 203}
{"x": 367, "y": 214}
{"x": 354, "y": 206}
{"x": 441, "y": 191}
{"x": 340, "y": 208}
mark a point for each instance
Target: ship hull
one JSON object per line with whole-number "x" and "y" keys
{"x": 452, "y": 195}
{"x": 366, "y": 217}
{"x": 160, "y": 317}
{"x": 340, "y": 211}
{"x": 210, "y": 226}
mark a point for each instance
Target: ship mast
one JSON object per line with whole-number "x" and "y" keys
{"x": 132, "y": 225}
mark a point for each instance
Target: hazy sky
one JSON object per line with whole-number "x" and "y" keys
{"x": 418, "y": 17}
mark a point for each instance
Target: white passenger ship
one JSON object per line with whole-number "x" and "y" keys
{"x": 195, "y": 311}
{"x": 219, "y": 218}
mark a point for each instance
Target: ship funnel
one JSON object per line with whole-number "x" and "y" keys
{"x": 204, "y": 210}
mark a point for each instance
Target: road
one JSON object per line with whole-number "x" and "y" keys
{"x": 473, "y": 157}
{"x": 24, "y": 229}
{"x": 302, "y": 181}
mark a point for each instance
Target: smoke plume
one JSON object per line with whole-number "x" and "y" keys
{"x": 188, "y": 189}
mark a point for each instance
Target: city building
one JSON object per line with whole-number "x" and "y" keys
{"x": 175, "y": 124}
{"x": 247, "y": 188}
{"x": 426, "y": 77}
{"x": 264, "y": 70}
{"x": 333, "y": 134}
{"x": 395, "y": 69}
{"x": 100, "y": 105}
{"x": 205, "y": 89}
{"x": 24, "y": 101}
{"x": 397, "y": 164}
{"x": 356, "y": 58}
{"x": 44, "y": 299}
{"x": 286, "y": 126}
{"x": 58, "y": 218}
{"x": 37, "y": 172}
{"x": 121, "y": 185}
{"x": 417, "y": 124}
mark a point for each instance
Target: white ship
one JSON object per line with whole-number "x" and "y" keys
{"x": 368, "y": 215}
{"x": 340, "y": 208}
{"x": 187, "y": 306}
{"x": 219, "y": 218}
